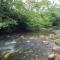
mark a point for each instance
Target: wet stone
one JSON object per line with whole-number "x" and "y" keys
{"x": 56, "y": 49}
{"x": 51, "y": 56}
{"x": 46, "y": 42}
{"x": 57, "y": 41}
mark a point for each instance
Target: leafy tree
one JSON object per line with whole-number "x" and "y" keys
{"x": 9, "y": 16}
{"x": 37, "y": 15}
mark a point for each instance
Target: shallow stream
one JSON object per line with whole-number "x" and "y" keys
{"x": 25, "y": 46}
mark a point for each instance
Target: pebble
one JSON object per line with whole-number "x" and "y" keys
{"x": 46, "y": 42}
{"x": 51, "y": 56}
{"x": 56, "y": 49}
{"x": 28, "y": 41}
{"x": 22, "y": 37}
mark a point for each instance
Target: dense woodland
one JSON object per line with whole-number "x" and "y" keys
{"x": 30, "y": 15}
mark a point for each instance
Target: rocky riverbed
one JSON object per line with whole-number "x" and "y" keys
{"x": 33, "y": 46}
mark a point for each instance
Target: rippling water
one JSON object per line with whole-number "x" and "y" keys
{"x": 26, "y": 46}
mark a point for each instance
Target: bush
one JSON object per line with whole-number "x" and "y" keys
{"x": 22, "y": 18}
{"x": 36, "y": 21}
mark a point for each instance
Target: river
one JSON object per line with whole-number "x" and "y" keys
{"x": 24, "y": 46}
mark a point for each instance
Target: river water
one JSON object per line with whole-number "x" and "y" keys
{"x": 24, "y": 46}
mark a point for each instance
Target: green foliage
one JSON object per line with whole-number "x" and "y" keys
{"x": 15, "y": 14}
{"x": 5, "y": 12}
{"x": 9, "y": 17}
{"x": 34, "y": 20}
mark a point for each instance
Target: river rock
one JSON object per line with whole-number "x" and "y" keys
{"x": 51, "y": 56}
{"x": 7, "y": 55}
{"x": 22, "y": 37}
{"x": 46, "y": 42}
{"x": 57, "y": 41}
{"x": 56, "y": 49}
{"x": 57, "y": 57}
